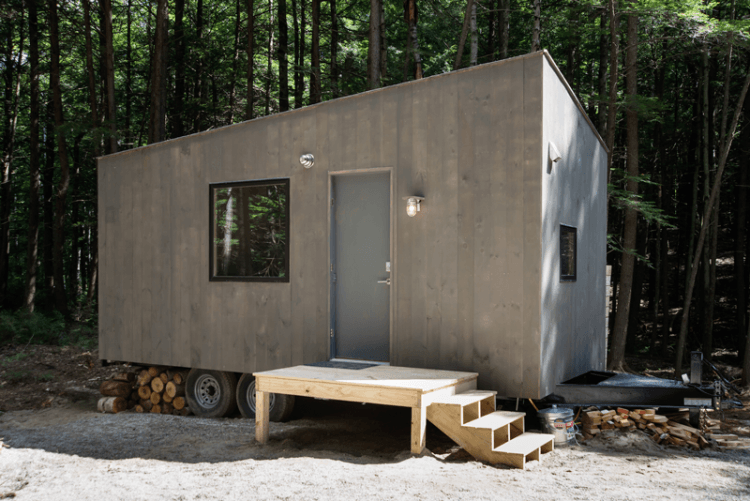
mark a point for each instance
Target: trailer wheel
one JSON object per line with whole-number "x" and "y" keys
{"x": 210, "y": 393}
{"x": 280, "y": 406}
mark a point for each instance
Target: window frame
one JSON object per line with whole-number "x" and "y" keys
{"x": 248, "y": 183}
{"x": 565, "y": 229}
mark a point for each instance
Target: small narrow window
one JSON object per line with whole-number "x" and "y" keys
{"x": 250, "y": 231}
{"x": 568, "y": 253}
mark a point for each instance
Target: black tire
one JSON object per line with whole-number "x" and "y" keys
{"x": 280, "y": 408}
{"x": 210, "y": 393}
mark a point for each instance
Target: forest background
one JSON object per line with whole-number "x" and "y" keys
{"x": 665, "y": 82}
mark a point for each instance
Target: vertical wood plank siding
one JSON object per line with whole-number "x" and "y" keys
{"x": 467, "y": 271}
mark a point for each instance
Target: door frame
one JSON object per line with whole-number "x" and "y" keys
{"x": 392, "y": 250}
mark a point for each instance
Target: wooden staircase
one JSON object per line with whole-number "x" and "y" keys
{"x": 497, "y": 437}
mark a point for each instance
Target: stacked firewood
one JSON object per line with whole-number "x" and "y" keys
{"x": 156, "y": 390}
{"x": 117, "y": 393}
{"x": 670, "y": 429}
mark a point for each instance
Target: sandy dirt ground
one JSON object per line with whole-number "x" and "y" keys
{"x": 60, "y": 448}
{"x": 329, "y": 450}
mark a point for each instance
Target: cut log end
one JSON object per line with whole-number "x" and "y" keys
{"x": 112, "y": 405}
{"x": 144, "y": 392}
{"x": 157, "y": 385}
{"x": 174, "y": 390}
{"x": 155, "y": 398}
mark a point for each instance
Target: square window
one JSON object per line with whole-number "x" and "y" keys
{"x": 250, "y": 231}
{"x": 568, "y": 237}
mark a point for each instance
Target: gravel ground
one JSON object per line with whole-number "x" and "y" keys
{"x": 331, "y": 451}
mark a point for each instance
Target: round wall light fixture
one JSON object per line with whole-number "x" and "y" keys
{"x": 308, "y": 160}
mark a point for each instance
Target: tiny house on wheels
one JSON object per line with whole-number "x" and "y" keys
{"x": 455, "y": 223}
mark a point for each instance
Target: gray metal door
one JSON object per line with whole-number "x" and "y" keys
{"x": 360, "y": 259}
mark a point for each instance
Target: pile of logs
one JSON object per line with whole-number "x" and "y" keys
{"x": 155, "y": 390}
{"x": 662, "y": 429}
{"x": 670, "y": 429}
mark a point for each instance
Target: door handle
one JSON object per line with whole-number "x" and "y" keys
{"x": 387, "y": 281}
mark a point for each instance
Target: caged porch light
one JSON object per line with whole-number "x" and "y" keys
{"x": 413, "y": 205}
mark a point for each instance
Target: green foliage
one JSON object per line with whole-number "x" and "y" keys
{"x": 625, "y": 199}
{"x": 15, "y": 358}
{"x": 21, "y": 328}
{"x": 16, "y": 376}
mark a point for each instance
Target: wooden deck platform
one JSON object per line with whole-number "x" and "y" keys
{"x": 382, "y": 384}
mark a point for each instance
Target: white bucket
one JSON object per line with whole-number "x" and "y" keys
{"x": 559, "y": 422}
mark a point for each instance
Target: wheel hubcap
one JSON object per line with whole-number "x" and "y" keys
{"x": 207, "y": 391}
{"x": 250, "y": 396}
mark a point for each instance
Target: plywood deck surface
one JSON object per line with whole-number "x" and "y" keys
{"x": 383, "y": 376}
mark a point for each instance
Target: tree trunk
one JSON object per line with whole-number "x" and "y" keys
{"x": 75, "y": 230}
{"x": 157, "y": 111}
{"x": 250, "y": 63}
{"x": 411, "y": 16}
{"x": 536, "y": 44}
{"x": 199, "y": 90}
{"x": 603, "y": 53}
{"x": 504, "y": 30}
{"x": 573, "y": 43}
{"x": 614, "y": 49}
{"x": 474, "y": 51}
{"x": 492, "y": 32}
{"x": 740, "y": 268}
{"x": 269, "y": 59}
{"x": 334, "y": 50}
{"x": 297, "y": 56}
{"x": 10, "y": 106}
{"x": 128, "y": 136}
{"x": 32, "y": 253}
{"x": 109, "y": 64}
{"x": 91, "y": 74}
{"x": 636, "y": 294}
{"x": 701, "y": 238}
{"x": 299, "y": 82}
{"x": 383, "y": 44}
{"x": 619, "y": 334}
{"x": 660, "y": 169}
{"x": 283, "y": 50}
{"x": 177, "y": 118}
{"x": 315, "y": 90}
{"x": 235, "y": 63}
{"x": 464, "y": 33}
{"x": 741, "y": 230}
{"x": 62, "y": 189}
{"x": 373, "y": 47}
{"x": 706, "y": 162}
{"x": 48, "y": 176}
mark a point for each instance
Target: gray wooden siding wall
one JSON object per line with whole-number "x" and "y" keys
{"x": 466, "y": 270}
{"x": 574, "y": 194}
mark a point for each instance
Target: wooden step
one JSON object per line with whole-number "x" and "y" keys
{"x": 526, "y": 447}
{"x": 470, "y": 405}
{"x": 466, "y": 397}
{"x": 498, "y": 427}
{"x": 498, "y": 419}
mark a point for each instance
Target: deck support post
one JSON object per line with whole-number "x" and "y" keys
{"x": 418, "y": 429}
{"x": 261, "y": 416}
